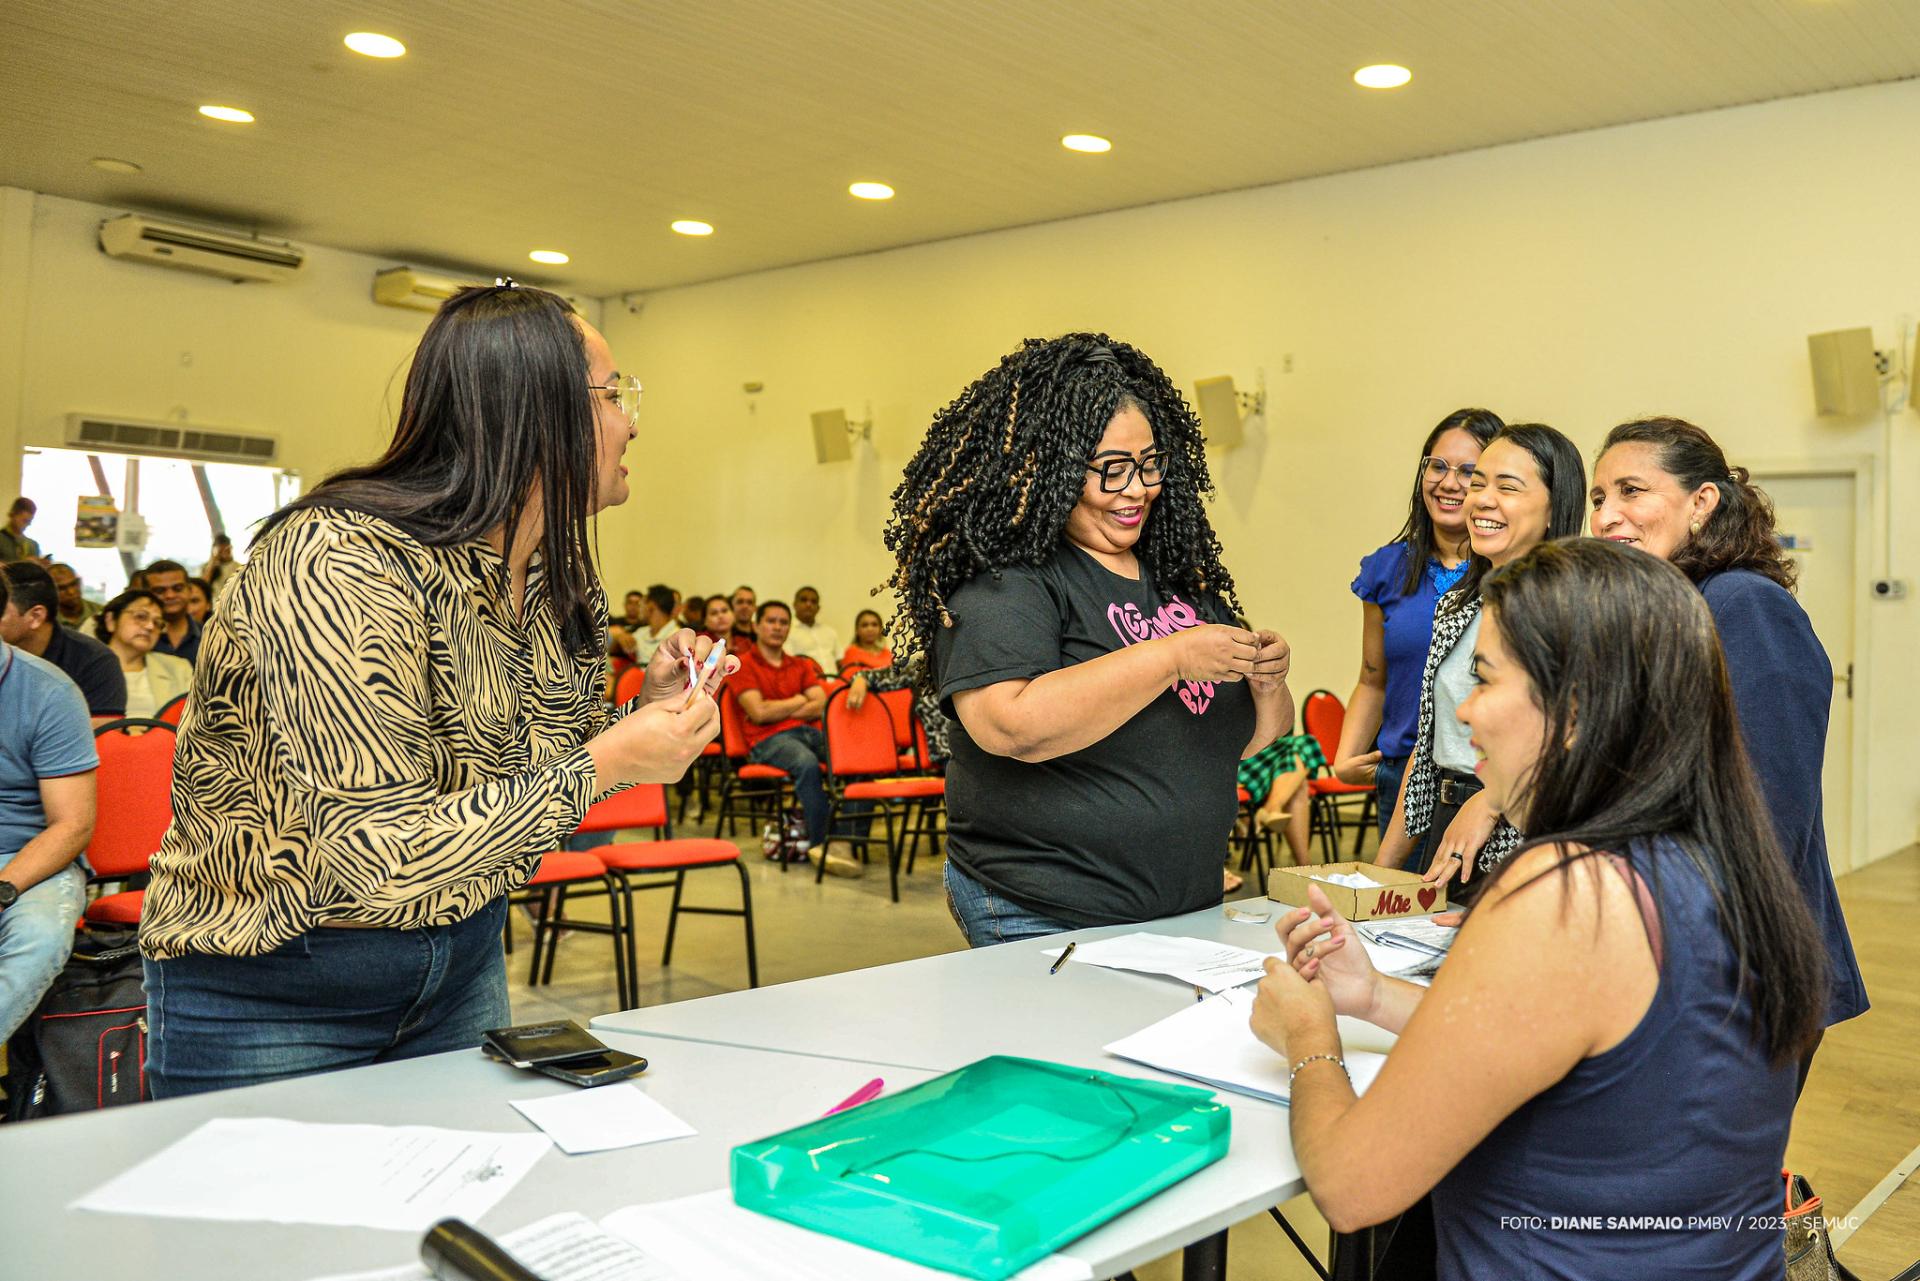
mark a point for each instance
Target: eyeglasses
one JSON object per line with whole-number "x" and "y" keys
{"x": 625, "y": 393}
{"x": 1436, "y": 469}
{"x": 1118, "y": 473}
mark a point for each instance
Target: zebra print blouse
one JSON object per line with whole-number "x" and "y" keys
{"x": 373, "y": 738}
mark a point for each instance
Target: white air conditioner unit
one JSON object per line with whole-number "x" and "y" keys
{"x": 424, "y": 291}
{"x": 205, "y": 249}
{"x": 171, "y": 440}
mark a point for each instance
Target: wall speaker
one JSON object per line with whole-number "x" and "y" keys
{"x": 1219, "y": 406}
{"x": 832, "y": 440}
{"x": 1845, "y": 381}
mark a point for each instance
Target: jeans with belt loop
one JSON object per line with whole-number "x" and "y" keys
{"x": 326, "y": 999}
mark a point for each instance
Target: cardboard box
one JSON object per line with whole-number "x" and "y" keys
{"x": 1401, "y": 893}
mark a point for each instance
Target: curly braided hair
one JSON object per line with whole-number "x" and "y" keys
{"x": 1004, "y": 464}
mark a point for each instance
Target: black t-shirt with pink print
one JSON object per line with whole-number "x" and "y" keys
{"x": 1134, "y": 827}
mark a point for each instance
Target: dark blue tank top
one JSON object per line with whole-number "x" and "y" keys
{"x": 1659, "y": 1158}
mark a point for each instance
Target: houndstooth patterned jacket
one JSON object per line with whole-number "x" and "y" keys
{"x": 1423, "y": 779}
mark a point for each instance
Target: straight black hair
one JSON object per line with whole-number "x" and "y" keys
{"x": 1423, "y": 544}
{"x": 27, "y": 585}
{"x": 1642, "y": 742}
{"x": 1564, "y": 474}
{"x": 496, "y": 403}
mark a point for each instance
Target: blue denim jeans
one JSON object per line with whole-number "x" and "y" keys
{"x": 36, "y": 937}
{"x": 1386, "y": 788}
{"x": 986, "y": 918}
{"x": 327, "y": 999}
{"x": 802, "y": 753}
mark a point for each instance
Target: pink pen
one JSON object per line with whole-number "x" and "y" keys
{"x": 865, "y": 1094}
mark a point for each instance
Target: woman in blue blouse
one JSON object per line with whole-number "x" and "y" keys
{"x": 1664, "y": 486}
{"x": 1398, "y": 586}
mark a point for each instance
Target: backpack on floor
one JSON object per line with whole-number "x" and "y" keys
{"x": 85, "y": 1045}
{"x": 785, "y": 841}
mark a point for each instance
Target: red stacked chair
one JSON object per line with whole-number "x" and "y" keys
{"x": 626, "y": 687}
{"x": 862, "y": 745}
{"x": 176, "y": 708}
{"x": 559, "y": 872}
{"x": 755, "y": 787}
{"x": 1324, "y": 715}
{"x": 133, "y": 810}
{"x": 645, "y": 806}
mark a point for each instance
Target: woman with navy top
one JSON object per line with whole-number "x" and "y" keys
{"x": 1664, "y": 486}
{"x": 1620, "y": 1020}
{"x": 1398, "y": 586}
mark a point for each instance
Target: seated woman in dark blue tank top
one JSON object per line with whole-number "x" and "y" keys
{"x": 1622, "y": 1013}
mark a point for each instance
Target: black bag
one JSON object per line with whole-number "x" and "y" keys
{"x": 85, "y": 1046}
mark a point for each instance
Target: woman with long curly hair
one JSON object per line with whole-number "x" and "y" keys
{"x": 1663, "y": 485}
{"x": 1054, "y": 557}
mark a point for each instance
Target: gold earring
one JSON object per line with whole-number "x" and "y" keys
{"x": 1695, "y": 527}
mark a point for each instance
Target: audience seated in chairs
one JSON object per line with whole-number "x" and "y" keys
{"x": 782, "y": 697}
{"x": 27, "y": 620}
{"x": 130, "y": 624}
{"x": 47, "y": 768}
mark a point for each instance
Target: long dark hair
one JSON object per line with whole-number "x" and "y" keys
{"x": 1565, "y": 476}
{"x": 1739, "y": 534}
{"x": 1003, "y": 465}
{"x": 102, "y": 627}
{"x": 1642, "y": 741}
{"x": 1418, "y": 534}
{"x": 496, "y": 402}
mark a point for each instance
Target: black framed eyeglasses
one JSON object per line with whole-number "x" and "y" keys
{"x": 1436, "y": 469}
{"x": 1117, "y": 473}
{"x": 625, "y": 393}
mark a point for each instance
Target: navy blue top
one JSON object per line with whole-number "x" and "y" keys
{"x": 1409, "y": 630}
{"x": 1652, "y": 1155}
{"x": 1783, "y": 688}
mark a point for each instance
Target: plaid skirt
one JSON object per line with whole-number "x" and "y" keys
{"x": 1293, "y": 751}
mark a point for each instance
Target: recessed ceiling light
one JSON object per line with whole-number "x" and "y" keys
{"x": 232, "y": 115}
{"x": 1382, "y": 75}
{"x": 109, "y": 165}
{"x": 692, "y": 227}
{"x": 375, "y": 45}
{"x": 871, "y": 190}
{"x": 552, "y": 257}
{"x": 1091, "y": 143}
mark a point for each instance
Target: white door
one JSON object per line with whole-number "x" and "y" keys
{"x": 1815, "y": 518}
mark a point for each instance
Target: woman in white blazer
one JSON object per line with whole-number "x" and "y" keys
{"x": 130, "y": 624}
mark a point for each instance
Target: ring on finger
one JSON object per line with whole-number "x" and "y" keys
{"x": 1309, "y": 950}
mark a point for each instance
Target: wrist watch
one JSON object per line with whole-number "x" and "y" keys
{"x": 8, "y": 893}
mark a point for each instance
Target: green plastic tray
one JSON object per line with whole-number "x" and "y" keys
{"x": 988, "y": 1168}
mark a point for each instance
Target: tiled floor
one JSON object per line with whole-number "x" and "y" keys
{"x": 1860, "y": 1115}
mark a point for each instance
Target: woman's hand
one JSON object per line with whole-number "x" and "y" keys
{"x": 1271, "y": 662}
{"x": 1290, "y": 1012}
{"x": 1460, "y": 843}
{"x": 1358, "y": 771}
{"x": 654, "y": 743}
{"x": 857, "y": 692}
{"x": 1321, "y": 945}
{"x": 1214, "y": 652}
{"x": 667, "y": 673}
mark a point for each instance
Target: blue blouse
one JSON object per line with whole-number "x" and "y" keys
{"x": 1409, "y": 630}
{"x": 1783, "y": 690}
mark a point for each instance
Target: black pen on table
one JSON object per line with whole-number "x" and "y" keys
{"x": 1061, "y": 960}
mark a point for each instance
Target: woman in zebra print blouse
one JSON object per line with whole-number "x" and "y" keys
{"x": 397, "y": 711}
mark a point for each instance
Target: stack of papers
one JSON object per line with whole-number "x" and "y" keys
{"x": 1213, "y": 966}
{"x": 1212, "y": 1043}
{"x": 1408, "y": 949}
{"x": 1352, "y": 880}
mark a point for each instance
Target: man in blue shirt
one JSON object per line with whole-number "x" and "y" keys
{"x": 29, "y": 614}
{"x": 47, "y": 765}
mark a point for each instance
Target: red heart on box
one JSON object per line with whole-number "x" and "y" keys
{"x": 1427, "y": 896}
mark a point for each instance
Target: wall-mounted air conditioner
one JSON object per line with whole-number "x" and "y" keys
{"x": 172, "y": 440}
{"x": 424, "y": 291}
{"x": 204, "y": 249}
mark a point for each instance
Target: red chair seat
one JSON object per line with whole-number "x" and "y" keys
{"x": 909, "y": 760}
{"x": 712, "y": 749}
{"x": 566, "y": 865}
{"x": 665, "y": 856}
{"x": 1242, "y": 795}
{"x": 1334, "y": 787}
{"x": 116, "y": 909}
{"x": 896, "y": 789}
{"x": 747, "y": 773}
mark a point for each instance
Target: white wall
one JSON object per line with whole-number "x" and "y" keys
{"x": 1675, "y": 266}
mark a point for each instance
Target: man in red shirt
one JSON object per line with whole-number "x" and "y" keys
{"x": 782, "y": 700}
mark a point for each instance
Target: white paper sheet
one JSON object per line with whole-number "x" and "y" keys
{"x": 1211, "y": 1042}
{"x": 561, "y": 1247}
{"x": 606, "y": 1116}
{"x": 1352, "y": 880}
{"x": 404, "y": 1177}
{"x": 1213, "y": 966}
{"x": 709, "y": 1238}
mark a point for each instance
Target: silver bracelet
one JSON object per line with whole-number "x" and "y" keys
{"x": 1334, "y": 1059}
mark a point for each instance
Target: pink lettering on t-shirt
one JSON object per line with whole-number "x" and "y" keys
{"x": 1174, "y": 616}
